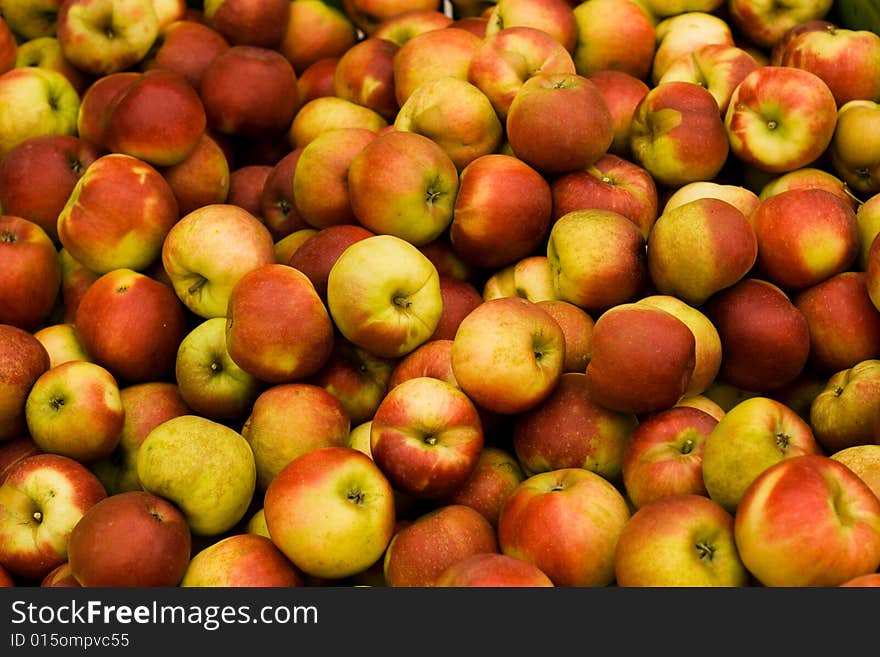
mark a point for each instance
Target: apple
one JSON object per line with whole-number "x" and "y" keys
{"x": 678, "y": 134}
{"x": 456, "y": 115}
{"x": 611, "y": 183}
{"x": 491, "y": 569}
{"x": 23, "y": 359}
{"x": 742, "y": 198}
{"x": 530, "y": 277}
{"x": 365, "y": 74}
{"x": 684, "y": 540}
{"x": 845, "y": 412}
{"x": 241, "y": 560}
{"x": 555, "y": 17}
{"x": 317, "y": 79}
{"x": 206, "y": 469}
{"x": 502, "y": 211}
{"x": 567, "y": 523}
{"x": 246, "y": 22}
{"x": 854, "y": 150}
{"x": 805, "y": 236}
{"x": 642, "y": 359}
{"x": 75, "y": 409}
{"x": 38, "y": 175}
{"x": 864, "y": 460}
{"x": 328, "y": 113}
{"x": 46, "y": 52}
{"x": 420, "y": 551}
{"x": 106, "y": 36}
{"x": 204, "y": 264}
{"x": 383, "y": 294}
{"x": 96, "y": 100}
{"x": 60, "y": 576}
{"x": 146, "y": 406}
{"x": 185, "y": 47}
{"x": 843, "y": 321}
{"x": 416, "y": 61}
{"x": 132, "y": 539}
{"x": 35, "y": 102}
{"x": 765, "y": 338}
{"x": 808, "y": 521}
{"x": 507, "y": 355}
{"x": 367, "y": 15}
{"x": 277, "y": 203}
{"x": 319, "y": 250}
{"x": 447, "y": 261}
{"x": 210, "y": 382}
{"x": 290, "y": 419}
{"x": 622, "y": 92}
{"x": 764, "y": 26}
{"x": 753, "y": 435}
{"x": 459, "y": 299}
{"x": 722, "y": 247}
{"x": 316, "y": 30}
{"x": 131, "y": 324}
{"x": 202, "y": 178}
{"x": 357, "y": 377}
{"x": 559, "y": 122}
{"x": 249, "y": 91}
{"x": 505, "y": 58}
{"x": 117, "y": 215}
{"x": 570, "y": 429}
{"x": 665, "y": 8}
{"x": 704, "y": 403}
{"x": 320, "y": 179}
{"x": 869, "y": 579}
{"x": 30, "y": 280}
{"x": 8, "y": 47}
{"x": 246, "y": 184}
{"x": 401, "y": 26}
{"x": 42, "y": 499}
{"x": 30, "y": 20}
{"x": 664, "y": 456}
{"x": 277, "y": 327}
{"x": 432, "y": 358}
{"x": 577, "y": 328}
{"x": 775, "y": 130}
{"x": 596, "y": 278}
{"x": 809, "y": 177}
{"x": 685, "y": 33}
{"x": 331, "y": 512}
{"x": 426, "y": 436}
{"x": 619, "y": 36}
{"x": 14, "y": 450}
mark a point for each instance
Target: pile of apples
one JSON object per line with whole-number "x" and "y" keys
{"x": 408, "y": 293}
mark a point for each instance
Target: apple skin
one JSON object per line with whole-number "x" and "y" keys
{"x": 331, "y": 512}
{"x": 684, "y": 540}
{"x": 845, "y": 411}
{"x": 577, "y": 327}
{"x": 60, "y": 576}
{"x": 555, "y": 17}
{"x": 426, "y": 436}
{"x": 75, "y": 409}
{"x": 131, "y": 324}
{"x": 246, "y": 184}
{"x": 664, "y": 455}
{"x": 277, "y": 327}
{"x": 844, "y": 323}
{"x": 243, "y": 22}
{"x": 8, "y": 46}
{"x": 567, "y": 523}
{"x": 35, "y": 102}
{"x": 318, "y": 252}
{"x": 742, "y": 198}
{"x": 30, "y": 281}
{"x": 23, "y": 359}
{"x": 317, "y": 79}
{"x": 611, "y": 183}
{"x": 869, "y": 579}
{"x": 421, "y": 550}
{"x": 368, "y": 15}
{"x": 683, "y": 34}
{"x": 622, "y": 92}
{"x": 804, "y": 237}
{"x": 330, "y": 112}
{"x": 678, "y": 134}
{"x": 202, "y": 178}
{"x": 631, "y": 340}
{"x": 117, "y": 215}
{"x": 854, "y": 149}
{"x": 44, "y": 496}
{"x": 596, "y": 279}
{"x": 722, "y": 249}
{"x": 92, "y": 112}
{"x": 383, "y": 294}
{"x": 502, "y": 211}
{"x": 765, "y": 29}
{"x": 203, "y": 265}
{"x": 365, "y": 75}
{"x": 771, "y": 348}
{"x": 132, "y": 539}
{"x": 529, "y": 278}
{"x": 316, "y": 30}
{"x": 249, "y": 91}
{"x": 507, "y": 355}
{"x": 559, "y": 122}
{"x": 206, "y": 469}
{"x": 819, "y": 508}
{"x": 459, "y": 299}
{"x": 277, "y": 202}
{"x": 38, "y": 175}
{"x": 864, "y": 460}
{"x": 774, "y": 129}
{"x": 185, "y": 47}
{"x": 490, "y": 569}
{"x": 753, "y": 435}
{"x": 146, "y": 406}
{"x": 614, "y": 35}
{"x": 290, "y": 419}
{"x": 569, "y": 429}
{"x": 14, "y": 450}
{"x": 241, "y": 560}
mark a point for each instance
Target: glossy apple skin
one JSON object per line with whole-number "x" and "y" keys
{"x": 241, "y": 560}
{"x": 492, "y": 570}
{"x": 614, "y": 35}
{"x": 23, "y": 359}
{"x": 186, "y": 47}
{"x": 244, "y": 22}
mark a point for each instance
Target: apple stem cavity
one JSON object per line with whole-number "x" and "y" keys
{"x": 706, "y": 552}
{"x": 356, "y": 497}
{"x": 402, "y": 302}
{"x": 195, "y": 287}
{"x": 782, "y": 441}
{"x": 56, "y": 403}
{"x": 8, "y": 237}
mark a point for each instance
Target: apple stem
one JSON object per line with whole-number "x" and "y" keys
{"x": 403, "y": 302}
{"x": 705, "y": 551}
{"x": 782, "y": 441}
{"x": 195, "y": 287}
{"x": 8, "y": 237}
{"x": 356, "y": 496}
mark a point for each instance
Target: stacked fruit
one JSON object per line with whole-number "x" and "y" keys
{"x": 411, "y": 293}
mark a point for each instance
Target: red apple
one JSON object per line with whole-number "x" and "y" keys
{"x": 186, "y": 47}
{"x": 459, "y": 299}
{"x": 277, "y": 203}
{"x": 577, "y": 327}
{"x": 622, "y": 92}
{"x": 614, "y": 35}
{"x": 490, "y": 569}
{"x": 23, "y": 359}
{"x": 30, "y": 279}
{"x": 430, "y": 55}
{"x": 247, "y": 22}
{"x": 365, "y": 74}
{"x": 241, "y": 560}
{"x": 318, "y": 252}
